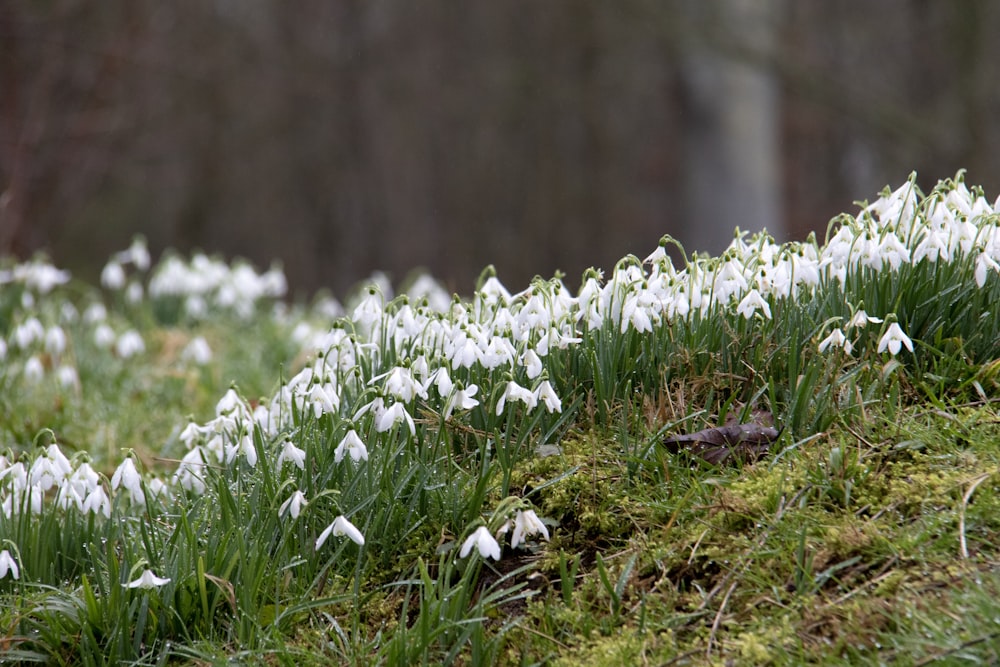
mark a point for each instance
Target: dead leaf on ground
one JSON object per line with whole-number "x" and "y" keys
{"x": 739, "y": 442}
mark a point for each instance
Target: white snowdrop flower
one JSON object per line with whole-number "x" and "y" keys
{"x": 984, "y": 264}
{"x": 751, "y": 303}
{"x": 97, "y": 502}
{"x": 157, "y": 488}
{"x": 499, "y": 351}
{"x": 8, "y": 566}
{"x": 197, "y": 351}
{"x": 230, "y": 403}
{"x": 351, "y": 445}
{"x": 60, "y": 463}
{"x": 26, "y": 333}
{"x": 893, "y": 250}
{"x": 195, "y": 307}
{"x": 729, "y": 281}
{"x": 113, "y": 276}
{"x": 442, "y": 380}
{"x": 637, "y": 313}
{"x": 55, "y": 341}
{"x": 658, "y": 255}
{"x": 323, "y": 403}
{"x": 493, "y": 293}
{"x": 369, "y": 310}
{"x": 45, "y": 474}
{"x": 547, "y": 395}
{"x": 134, "y": 293}
{"x": 41, "y": 277}
{"x": 68, "y": 497}
{"x": 128, "y": 477}
{"x": 462, "y": 399}
{"x": 836, "y": 339}
{"x": 515, "y": 392}
{"x": 376, "y": 406}
{"x": 861, "y": 318}
{"x": 104, "y": 336}
{"x": 34, "y": 370}
{"x": 244, "y": 447}
{"x": 393, "y": 415}
{"x": 401, "y": 384}
{"x": 188, "y": 475}
{"x": 466, "y": 353}
{"x": 535, "y": 314}
{"x": 137, "y": 254}
{"x": 933, "y": 246}
{"x": 527, "y": 523}
{"x": 147, "y": 581}
{"x": 129, "y": 344}
{"x": 532, "y": 363}
{"x": 485, "y": 543}
{"x": 191, "y": 434}
{"x": 868, "y": 252}
{"x": 894, "y": 340}
{"x": 294, "y": 505}
{"x": 95, "y": 312}
{"x": 339, "y": 528}
{"x": 3, "y": 349}
{"x": 296, "y": 455}
{"x": 68, "y": 377}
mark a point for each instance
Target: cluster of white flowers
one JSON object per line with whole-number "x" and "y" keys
{"x": 24, "y": 488}
{"x": 391, "y": 360}
{"x": 38, "y": 276}
{"x": 208, "y": 285}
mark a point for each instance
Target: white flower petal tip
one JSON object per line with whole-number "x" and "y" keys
{"x": 147, "y": 580}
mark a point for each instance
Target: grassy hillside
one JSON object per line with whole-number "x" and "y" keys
{"x": 782, "y": 455}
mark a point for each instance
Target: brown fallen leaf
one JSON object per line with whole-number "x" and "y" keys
{"x": 743, "y": 442}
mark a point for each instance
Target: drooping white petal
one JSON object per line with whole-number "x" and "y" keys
{"x": 485, "y": 543}
{"x": 147, "y": 580}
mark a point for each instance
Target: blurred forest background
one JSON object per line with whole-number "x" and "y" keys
{"x": 345, "y": 136}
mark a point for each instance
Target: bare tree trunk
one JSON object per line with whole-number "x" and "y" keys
{"x": 731, "y": 127}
